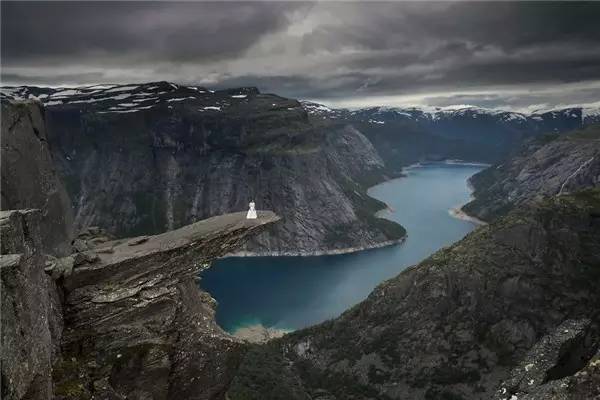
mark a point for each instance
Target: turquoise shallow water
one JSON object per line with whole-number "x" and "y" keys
{"x": 295, "y": 292}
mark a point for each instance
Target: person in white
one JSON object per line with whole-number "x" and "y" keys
{"x": 252, "y": 211}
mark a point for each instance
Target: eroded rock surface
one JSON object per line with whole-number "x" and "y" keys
{"x": 136, "y": 324}
{"x": 564, "y": 364}
{"x": 31, "y": 309}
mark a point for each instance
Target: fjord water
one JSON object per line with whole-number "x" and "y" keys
{"x": 295, "y": 292}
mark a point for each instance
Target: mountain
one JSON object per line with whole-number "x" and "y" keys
{"x": 145, "y": 158}
{"x": 509, "y": 312}
{"x": 141, "y": 159}
{"x": 406, "y": 135}
{"x": 95, "y": 317}
{"x": 550, "y": 165}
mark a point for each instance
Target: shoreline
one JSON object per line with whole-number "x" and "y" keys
{"x": 314, "y": 253}
{"x": 455, "y": 212}
{"x": 258, "y": 333}
{"x": 458, "y": 213}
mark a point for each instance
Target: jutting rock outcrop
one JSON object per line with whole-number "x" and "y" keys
{"x": 96, "y": 317}
{"x": 136, "y": 324}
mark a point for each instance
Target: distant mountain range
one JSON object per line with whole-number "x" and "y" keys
{"x": 402, "y": 136}
{"x": 112, "y": 98}
{"x": 378, "y": 115}
{"x": 406, "y": 135}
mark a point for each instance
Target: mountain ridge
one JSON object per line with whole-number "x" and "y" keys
{"x": 141, "y": 159}
{"x": 550, "y": 165}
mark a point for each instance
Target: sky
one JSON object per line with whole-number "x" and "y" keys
{"x": 511, "y": 55}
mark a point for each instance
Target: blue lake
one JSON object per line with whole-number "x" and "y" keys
{"x": 295, "y": 292}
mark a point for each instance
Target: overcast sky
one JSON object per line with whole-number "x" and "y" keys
{"x": 511, "y": 54}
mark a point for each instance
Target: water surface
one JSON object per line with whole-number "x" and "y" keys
{"x": 295, "y": 292}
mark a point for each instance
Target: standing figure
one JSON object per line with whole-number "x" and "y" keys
{"x": 252, "y": 211}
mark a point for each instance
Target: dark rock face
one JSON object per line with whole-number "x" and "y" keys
{"x": 552, "y": 165}
{"x": 460, "y": 324}
{"x": 31, "y": 309}
{"x": 563, "y": 364}
{"x": 29, "y": 178}
{"x": 146, "y": 158}
{"x": 136, "y": 324}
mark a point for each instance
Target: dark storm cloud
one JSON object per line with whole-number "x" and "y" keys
{"x": 156, "y": 30}
{"x": 321, "y": 50}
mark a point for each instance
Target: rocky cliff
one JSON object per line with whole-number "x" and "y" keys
{"x": 106, "y": 318}
{"x": 116, "y": 319}
{"x": 142, "y": 159}
{"x": 136, "y": 324}
{"x": 29, "y": 178}
{"x": 550, "y": 165}
{"x": 510, "y": 311}
{"x": 31, "y": 309}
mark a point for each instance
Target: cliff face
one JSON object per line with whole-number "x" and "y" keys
{"x": 147, "y": 158}
{"x": 512, "y": 309}
{"x": 551, "y": 165}
{"x": 136, "y": 324}
{"x": 113, "y": 319}
{"x": 31, "y": 309}
{"x": 32, "y": 320}
{"x": 116, "y": 319}
{"x": 29, "y": 179}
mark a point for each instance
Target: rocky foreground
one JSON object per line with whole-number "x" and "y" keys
{"x": 116, "y": 319}
{"x": 89, "y": 316}
{"x": 509, "y": 312}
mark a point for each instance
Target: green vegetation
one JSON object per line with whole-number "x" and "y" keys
{"x": 265, "y": 374}
{"x": 365, "y": 208}
{"x": 69, "y": 376}
{"x": 591, "y": 132}
{"x": 589, "y": 198}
